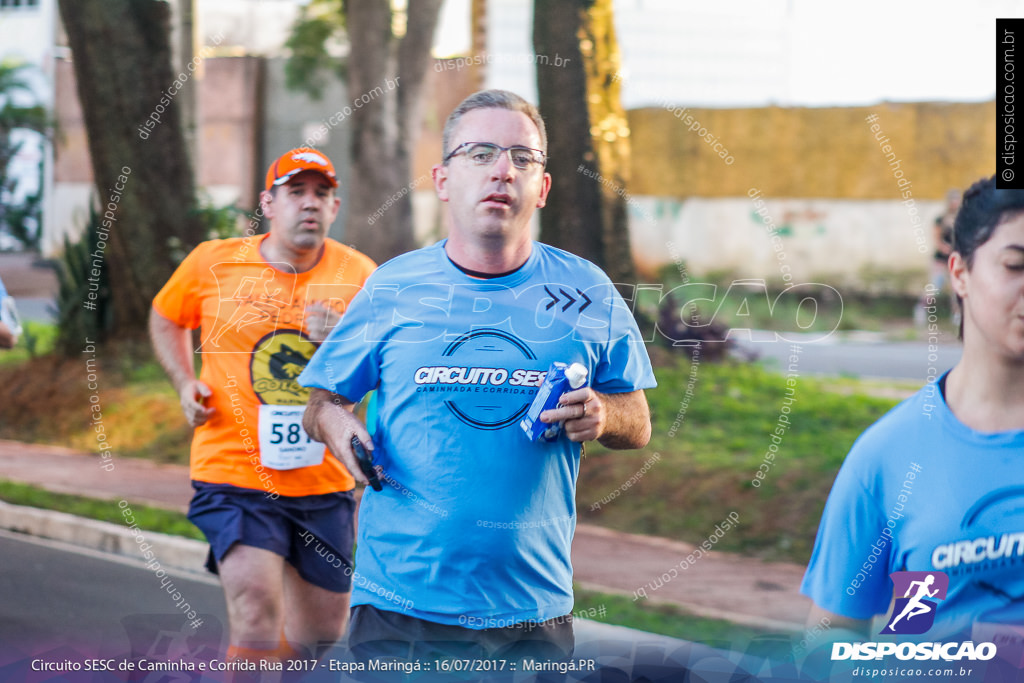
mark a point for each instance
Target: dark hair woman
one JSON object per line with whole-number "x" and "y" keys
{"x": 936, "y": 487}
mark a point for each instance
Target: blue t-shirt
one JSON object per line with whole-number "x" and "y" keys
{"x": 3, "y": 291}
{"x": 921, "y": 491}
{"x": 475, "y": 522}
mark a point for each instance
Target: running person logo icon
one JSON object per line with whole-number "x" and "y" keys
{"x": 252, "y": 306}
{"x": 914, "y": 613}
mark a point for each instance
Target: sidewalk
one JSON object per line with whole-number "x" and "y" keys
{"x": 719, "y": 585}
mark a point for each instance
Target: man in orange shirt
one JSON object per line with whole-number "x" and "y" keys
{"x": 265, "y": 491}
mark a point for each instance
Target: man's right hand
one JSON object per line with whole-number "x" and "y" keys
{"x": 329, "y": 419}
{"x": 193, "y": 397}
{"x": 341, "y": 429}
{"x": 173, "y": 346}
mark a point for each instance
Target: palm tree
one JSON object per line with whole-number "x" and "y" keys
{"x": 18, "y": 217}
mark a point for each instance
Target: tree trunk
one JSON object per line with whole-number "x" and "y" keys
{"x": 389, "y": 72}
{"x": 478, "y": 47}
{"x": 578, "y": 82}
{"x": 122, "y": 59}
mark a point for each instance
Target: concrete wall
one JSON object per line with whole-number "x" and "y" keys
{"x": 869, "y": 246}
{"x": 229, "y": 106}
{"x": 67, "y": 207}
{"x": 230, "y": 90}
{"x": 852, "y": 200}
{"x": 812, "y": 152}
{"x": 835, "y": 183}
{"x": 246, "y": 118}
{"x": 865, "y": 245}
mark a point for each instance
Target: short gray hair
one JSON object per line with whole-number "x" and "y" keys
{"x": 493, "y": 99}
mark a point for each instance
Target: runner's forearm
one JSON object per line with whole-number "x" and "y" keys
{"x": 173, "y": 346}
{"x": 629, "y": 420}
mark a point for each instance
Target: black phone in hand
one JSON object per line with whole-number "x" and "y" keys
{"x": 365, "y": 464}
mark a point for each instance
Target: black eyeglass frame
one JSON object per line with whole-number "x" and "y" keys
{"x": 507, "y": 150}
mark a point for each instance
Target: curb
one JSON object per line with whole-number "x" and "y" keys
{"x": 174, "y": 552}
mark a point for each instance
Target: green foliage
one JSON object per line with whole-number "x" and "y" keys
{"x": 878, "y": 280}
{"x": 314, "y": 44}
{"x": 662, "y": 618}
{"x": 12, "y": 81}
{"x": 37, "y": 339}
{"x": 735, "y": 406}
{"x": 83, "y": 271}
{"x": 21, "y": 219}
{"x": 748, "y": 308}
{"x": 220, "y": 222}
{"x": 32, "y": 118}
{"x": 25, "y": 220}
{"x": 143, "y": 369}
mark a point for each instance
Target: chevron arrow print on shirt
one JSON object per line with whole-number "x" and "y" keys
{"x": 569, "y": 299}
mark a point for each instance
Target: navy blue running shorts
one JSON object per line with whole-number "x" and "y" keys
{"x": 314, "y": 534}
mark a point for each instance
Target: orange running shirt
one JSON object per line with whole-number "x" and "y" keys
{"x": 253, "y": 347}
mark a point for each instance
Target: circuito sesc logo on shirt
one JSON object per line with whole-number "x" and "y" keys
{"x": 479, "y": 381}
{"x": 914, "y": 612}
{"x": 277, "y": 360}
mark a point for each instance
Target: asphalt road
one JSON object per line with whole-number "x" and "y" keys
{"x": 60, "y": 603}
{"x": 892, "y": 360}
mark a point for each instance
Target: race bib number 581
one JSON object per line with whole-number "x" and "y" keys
{"x": 284, "y": 444}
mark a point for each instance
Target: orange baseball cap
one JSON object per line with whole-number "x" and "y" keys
{"x": 299, "y": 160}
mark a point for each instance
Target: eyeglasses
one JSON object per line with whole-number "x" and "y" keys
{"x": 486, "y": 153}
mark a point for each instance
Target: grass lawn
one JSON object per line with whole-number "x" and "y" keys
{"x": 661, "y": 618}
{"x": 707, "y": 447}
{"x": 148, "y": 518}
{"x": 36, "y": 339}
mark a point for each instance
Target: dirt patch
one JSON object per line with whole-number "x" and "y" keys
{"x": 47, "y": 400}
{"x": 44, "y": 399}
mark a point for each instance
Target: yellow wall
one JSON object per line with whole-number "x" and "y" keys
{"x": 812, "y": 152}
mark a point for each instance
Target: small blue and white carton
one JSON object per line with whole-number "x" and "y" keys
{"x": 561, "y": 378}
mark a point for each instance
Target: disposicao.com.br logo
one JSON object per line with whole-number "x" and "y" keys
{"x": 914, "y": 614}
{"x": 916, "y": 588}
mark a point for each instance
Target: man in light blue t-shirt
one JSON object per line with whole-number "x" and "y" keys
{"x": 468, "y": 542}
